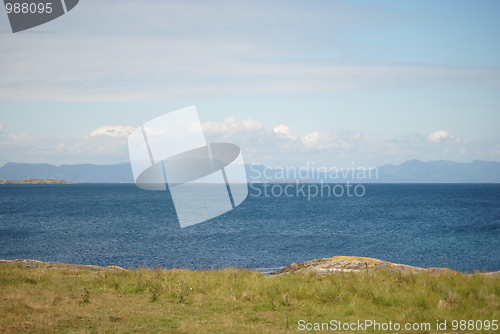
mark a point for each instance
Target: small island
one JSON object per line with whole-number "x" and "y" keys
{"x": 36, "y": 181}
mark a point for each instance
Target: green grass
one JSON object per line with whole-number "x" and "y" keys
{"x": 232, "y": 301}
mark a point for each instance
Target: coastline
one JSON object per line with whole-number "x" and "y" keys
{"x": 37, "y": 181}
{"x": 331, "y": 265}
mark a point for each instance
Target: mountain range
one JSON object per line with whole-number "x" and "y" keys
{"x": 411, "y": 171}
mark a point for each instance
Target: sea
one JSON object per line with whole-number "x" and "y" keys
{"x": 426, "y": 225}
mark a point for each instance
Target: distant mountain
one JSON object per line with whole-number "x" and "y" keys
{"x": 411, "y": 171}
{"x": 416, "y": 171}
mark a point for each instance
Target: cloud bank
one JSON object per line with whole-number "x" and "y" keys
{"x": 273, "y": 146}
{"x": 113, "y": 131}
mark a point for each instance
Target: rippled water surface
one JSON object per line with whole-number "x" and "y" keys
{"x": 427, "y": 225}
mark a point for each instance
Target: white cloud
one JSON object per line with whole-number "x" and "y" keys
{"x": 280, "y": 146}
{"x": 113, "y": 131}
{"x": 255, "y": 135}
{"x": 1, "y": 126}
{"x": 442, "y": 136}
{"x": 284, "y": 130}
{"x": 103, "y": 148}
{"x": 230, "y": 127}
{"x": 273, "y": 146}
{"x": 340, "y": 140}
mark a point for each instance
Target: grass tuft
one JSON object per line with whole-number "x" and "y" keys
{"x": 146, "y": 300}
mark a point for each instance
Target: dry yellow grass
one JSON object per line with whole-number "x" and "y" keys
{"x": 41, "y": 300}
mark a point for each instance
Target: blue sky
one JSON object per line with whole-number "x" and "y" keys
{"x": 291, "y": 82}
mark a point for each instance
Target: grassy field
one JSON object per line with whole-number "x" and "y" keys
{"x": 41, "y": 300}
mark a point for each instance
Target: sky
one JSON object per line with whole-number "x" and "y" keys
{"x": 334, "y": 83}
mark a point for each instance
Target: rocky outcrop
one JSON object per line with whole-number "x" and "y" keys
{"x": 347, "y": 264}
{"x": 36, "y": 181}
{"x": 331, "y": 265}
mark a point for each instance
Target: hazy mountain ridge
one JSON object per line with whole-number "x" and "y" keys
{"x": 443, "y": 171}
{"x": 411, "y": 171}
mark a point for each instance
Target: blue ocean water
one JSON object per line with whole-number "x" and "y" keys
{"x": 426, "y": 225}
